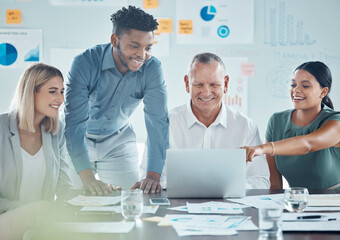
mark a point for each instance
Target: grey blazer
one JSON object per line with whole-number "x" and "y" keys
{"x": 57, "y": 177}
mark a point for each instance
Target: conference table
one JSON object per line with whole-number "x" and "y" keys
{"x": 149, "y": 230}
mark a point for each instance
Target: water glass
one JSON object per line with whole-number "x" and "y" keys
{"x": 296, "y": 199}
{"x": 270, "y": 223}
{"x": 132, "y": 204}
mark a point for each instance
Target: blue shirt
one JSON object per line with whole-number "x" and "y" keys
{"x": 100, "y": 100}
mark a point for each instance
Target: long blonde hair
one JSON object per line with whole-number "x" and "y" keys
{"x": 22, "y": 105}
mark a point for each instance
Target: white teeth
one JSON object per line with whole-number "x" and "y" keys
{"x": 205, "y": 99}
{"x": 298, "y": 98}
{"x": 137, "y": 61}
{"x": 54, "y": 106}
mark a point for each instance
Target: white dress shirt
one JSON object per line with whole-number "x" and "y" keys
{"x": 231, "y": 129}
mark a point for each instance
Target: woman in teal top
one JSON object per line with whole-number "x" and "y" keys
{"x": 303, "y": 144}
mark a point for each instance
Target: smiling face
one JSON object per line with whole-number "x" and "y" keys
{"x": 207, "y": 84}
{"x": 131, "y": 49}
{"x": 48, "y": 98}
{"x": 306, "y": 92}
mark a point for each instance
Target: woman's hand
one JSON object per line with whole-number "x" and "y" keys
{"x": 253, "y": 151}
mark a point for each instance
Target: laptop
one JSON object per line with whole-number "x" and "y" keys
{"x": 206, "y": 173}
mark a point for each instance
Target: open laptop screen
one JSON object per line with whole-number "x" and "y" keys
{"x": 206, "y": 173}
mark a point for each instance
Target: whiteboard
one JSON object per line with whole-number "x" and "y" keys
{"x": 286, "y": 34}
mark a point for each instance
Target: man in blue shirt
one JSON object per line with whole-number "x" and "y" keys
{"x": 106, "y": 84}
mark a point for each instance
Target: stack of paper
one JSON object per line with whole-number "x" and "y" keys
{"x": 93, "y": 201}
{"x": 97, "y": 227}
{"x": 117, "y": 209}
{"x": 329, "y": 200}
{"x": 319, "y": 222}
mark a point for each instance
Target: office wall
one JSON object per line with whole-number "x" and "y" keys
{"x": 286, "y": 33}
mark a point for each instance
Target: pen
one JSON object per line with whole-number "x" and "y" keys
{"x": 310, "y": 217}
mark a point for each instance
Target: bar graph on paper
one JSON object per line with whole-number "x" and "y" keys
{"x": 237, "y": 94}
{"x": 234, "y": 101}
{"x": 283, "y": 27}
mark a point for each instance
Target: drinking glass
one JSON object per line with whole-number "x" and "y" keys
{"x": 296, "y": 199}
{"x": 132, "y": 204}
{"x": 270, "y": 223}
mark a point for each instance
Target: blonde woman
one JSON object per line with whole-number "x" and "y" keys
{"x": 33, "y": 168}
{"x": 303, "y": 144}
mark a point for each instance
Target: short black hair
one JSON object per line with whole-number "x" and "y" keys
{"x": 132, "y": 18}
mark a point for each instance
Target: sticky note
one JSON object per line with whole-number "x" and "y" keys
{"x": 156, "y": 219}
{"x": 164, "y": 25}
{"x": 150, "y": 4}
{"x": 13, "y": 16}
{"x": 248, "y": 69}
{"x": 185, "y": 27}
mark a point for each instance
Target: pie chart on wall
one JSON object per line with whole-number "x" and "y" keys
{"x": 208, "y": 13}
{"x": 8, "y": 54}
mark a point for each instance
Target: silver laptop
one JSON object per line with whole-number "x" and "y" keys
{"x": 206, "y": 173}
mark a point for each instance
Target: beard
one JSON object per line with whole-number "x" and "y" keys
{"x": 121, "y": 57}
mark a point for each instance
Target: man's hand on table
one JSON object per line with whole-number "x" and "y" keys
{"x": 93, "y": 186}
{"x": 149, "y": 184}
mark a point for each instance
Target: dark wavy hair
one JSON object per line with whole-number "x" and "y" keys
{"x": 132, "y": 18}
{"x": 322, "y": 74}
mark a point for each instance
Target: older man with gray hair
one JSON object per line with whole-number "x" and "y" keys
{"x": 205, "y": 122}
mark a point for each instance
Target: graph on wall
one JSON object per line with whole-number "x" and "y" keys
{"x": 284, "y": 27}
{"x": 237, "y": 94}
{"x": 88, "y": 2}
{"x": 214, "y": 21}
{"x": 20, "y": 47}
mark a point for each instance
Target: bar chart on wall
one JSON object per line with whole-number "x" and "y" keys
{"x": 283, "y": 27}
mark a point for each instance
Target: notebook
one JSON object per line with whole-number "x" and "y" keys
{"x": 206, "y": 173}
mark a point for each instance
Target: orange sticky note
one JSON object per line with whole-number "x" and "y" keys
{"x": 185, "y": 27}
{"x": 164, "y": 25}
{"x": 150, "y": 4}
{"x": 13, "y": 16}
{"x": 248, "y": 69}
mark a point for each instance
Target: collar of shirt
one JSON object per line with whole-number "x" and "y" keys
{"x": 191, "y": 118}
{"x": 109, "y": 62}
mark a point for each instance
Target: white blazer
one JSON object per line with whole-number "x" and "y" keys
{"x": 57, "y": 177}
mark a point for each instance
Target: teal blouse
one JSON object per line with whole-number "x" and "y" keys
{"x": 315, "y": 170}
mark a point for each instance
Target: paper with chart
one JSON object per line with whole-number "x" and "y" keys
{"x": 186, "y": 225}
{"x": 215, "y": 21}
{"x": 214, "y": 208}
{"x": 261, "y": 201}
{"x": 20, "y": 47}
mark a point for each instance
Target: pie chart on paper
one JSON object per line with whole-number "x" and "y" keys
{"x": 208, "y": 13}
{"x": 8, "y": 54}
